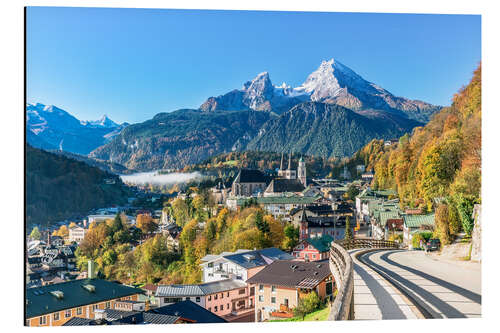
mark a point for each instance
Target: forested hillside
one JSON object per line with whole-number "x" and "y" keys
{"x": 439, "y": 165}
{"x": 182, "y": 137}
{"x": 328, "y": 130}
{"x": 58, "y": 187}
{"x": 224, "y": 163}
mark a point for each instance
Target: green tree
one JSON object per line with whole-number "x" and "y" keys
{"x": 261, "y": 224}
{"x": 291, "y": 236}
{"x": 117, "y": 224}
{"x": 352, "y": 192}
{"x": 465, "y": 207}
{"x": 442, "y": 224}
{"x": 307, "y": 304}
{"x": 35, "y": 234}
{"x": 348, "y": 231}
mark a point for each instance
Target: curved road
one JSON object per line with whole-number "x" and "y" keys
{"x": 441, "y": 289}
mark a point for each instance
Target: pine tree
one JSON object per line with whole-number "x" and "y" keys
{"x": 348, "y": 231}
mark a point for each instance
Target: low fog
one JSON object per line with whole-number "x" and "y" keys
{"x": 154, "y": 178}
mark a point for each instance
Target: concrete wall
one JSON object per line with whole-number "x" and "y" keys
{"x": 475, "y": 254}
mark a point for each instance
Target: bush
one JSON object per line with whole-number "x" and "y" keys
{"x": 396, "y": 238}
{"x": 424, "y": 236}
{"x": 307, "y": 304}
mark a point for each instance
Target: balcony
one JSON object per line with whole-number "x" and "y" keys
{"x": 284, "y": 312}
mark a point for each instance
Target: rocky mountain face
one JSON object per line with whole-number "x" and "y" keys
{"x": 327, "y": 130}
{"x": 259, "y": 95}
{"x": 49, "y": 127}
{"x": 332, "y": 83}
{"x": 175, "y": 139}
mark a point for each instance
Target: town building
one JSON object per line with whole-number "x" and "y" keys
{"x": 416, "y": 223}
{"x": 184, "y": 312}
{"x": 318, "y": 226}
{"x": 313, "y": 249}
{"x": 55, "y": 304}
{"x": 280, "y": 285}
{"x": 228, "y": 298}
{"x": 77, "y": 234}
{"x": 239, "y": 265}
{"x": 279, "y": 206}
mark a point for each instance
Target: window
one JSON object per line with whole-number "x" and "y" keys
{"x": 215, "y": 308}
{"x": 227, "y": 306}
{"x": 261, "y": 287}
{"x": 273, "y": 300}
{"x": 67, "y": 314}
{"x": 56, "y": 316}
{"x": 197, "y": 299}
{"x": 43, "y": 320}
{"x": 78, "y": 311}
{"x": 222, "y": 307}
{"x": 108, "y": 305}
{"x": 261, "y": 298}
{"x": 188, "y": 298}
{"x": 221, "y": 295}
{"x": 209, "y": 297}
{"x": 210, "y": 264}
{"x": 314, "y": 256}
{"x": 227, "y": 294}
{"x": 215, "y": 296}
{"x": 241, "y": 291}
{"x": 273, "y": 289}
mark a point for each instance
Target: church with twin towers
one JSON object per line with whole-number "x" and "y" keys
{"x": 299, "y": 174}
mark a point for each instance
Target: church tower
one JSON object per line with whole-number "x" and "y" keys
{"x": 301, "y": 172}
{"x": 281, "y": 170}
{"x": 289, "y": 173}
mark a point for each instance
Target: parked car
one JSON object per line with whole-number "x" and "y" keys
{"x": 432, "y": 245}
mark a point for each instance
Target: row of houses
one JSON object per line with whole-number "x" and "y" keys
{"x": 99, "y": 302}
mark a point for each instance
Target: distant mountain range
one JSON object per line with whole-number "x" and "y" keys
{"x": 331, "y": 83}
{"x": 333, "y": 113}
{"x": 49, "y": 127}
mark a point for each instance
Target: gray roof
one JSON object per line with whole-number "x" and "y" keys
{"x": 251, "y": 176}
{"x": 279, "y": 185}
{"x": 73, "y": 294}
{"x": 294, "y": 274}
{"x": 189, "y": 310}
{"x": 258, "y": 258}
{"x": 198, "y": 289}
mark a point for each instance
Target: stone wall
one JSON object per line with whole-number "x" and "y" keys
{"x": 476, "y": 235}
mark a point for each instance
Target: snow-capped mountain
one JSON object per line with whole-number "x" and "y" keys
{"x": 50, "y": 127}
{"x": 332, "y": 83}
{"x": 104, "y": 121}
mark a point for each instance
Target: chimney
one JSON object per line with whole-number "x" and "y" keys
{"x": 99, "y": 314}
{"x": 91, "y": 270}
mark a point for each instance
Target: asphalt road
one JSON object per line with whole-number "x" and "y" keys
{"x": 377, "y": 299}
{"x": 442, "y": 289}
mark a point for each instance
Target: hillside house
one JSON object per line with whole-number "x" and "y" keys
{"x": 279, "y": 286}
{"x": 313, "y": 249}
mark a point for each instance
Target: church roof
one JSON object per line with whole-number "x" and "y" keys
{"x": 251, "y": 176}
{"x": 280, "y": 185}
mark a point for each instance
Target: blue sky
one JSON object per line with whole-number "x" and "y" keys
{"x": 134, "y": 63}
